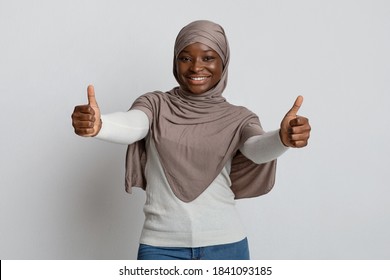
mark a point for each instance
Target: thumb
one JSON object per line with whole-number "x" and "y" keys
{"x": 295, "y": 108}
{"x": 91, "y": 96}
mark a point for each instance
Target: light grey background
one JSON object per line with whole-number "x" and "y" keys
{"x": 62, "y": 196}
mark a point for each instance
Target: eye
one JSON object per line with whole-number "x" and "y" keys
{"x": 184, "y": 58}
{"x": 209, "y": 58}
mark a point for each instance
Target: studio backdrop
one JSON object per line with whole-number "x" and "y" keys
{"x": 62, "y": 196}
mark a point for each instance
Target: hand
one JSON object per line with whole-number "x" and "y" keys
{"x": 86, "y": 118}
{"x": 294, "y": 129}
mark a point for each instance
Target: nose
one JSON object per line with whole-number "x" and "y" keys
{"x": 197, "y": 65}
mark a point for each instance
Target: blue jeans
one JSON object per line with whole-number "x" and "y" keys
{"x": 232, "y": 251}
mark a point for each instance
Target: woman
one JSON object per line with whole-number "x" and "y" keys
{"x": 194, "y": 153}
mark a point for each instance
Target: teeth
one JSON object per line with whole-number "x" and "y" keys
{"x": 198, "y": 78}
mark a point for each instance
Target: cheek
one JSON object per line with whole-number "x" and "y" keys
{"x": 217, "y": 70}
{"x": 179, "y": 72}
{"x": 177, "y": 69}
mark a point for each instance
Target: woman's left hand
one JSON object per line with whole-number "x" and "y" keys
{"x": 294, "y": 129}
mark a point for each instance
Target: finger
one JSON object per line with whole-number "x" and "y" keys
{"x": 84, "y": 109}
{"x": 84, "y": 131}
{"x": 295, "y": 108}
{"x": 299, "y": 121}
{"x": 299, "y": 130}
{"x": 91, "y": 96}
{"x": 83, "y": 117}
{"x": 82, "y": 124}
{"x": 299, "y": 144}
{"x": 299, "y": 137}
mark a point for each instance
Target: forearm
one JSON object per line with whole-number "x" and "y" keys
{"x": 263, "y": 148}
{"x": 124, "y": 127}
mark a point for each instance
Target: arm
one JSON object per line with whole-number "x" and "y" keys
{"x": 263, "y": 148}
{"x": 124, "y": 127}
{"x": 294, "y": 132}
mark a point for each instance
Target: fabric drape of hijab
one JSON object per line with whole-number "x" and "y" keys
{"x": 196, "y": 135}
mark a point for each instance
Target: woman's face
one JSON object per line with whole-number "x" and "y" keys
{"x": 199, "y": 68}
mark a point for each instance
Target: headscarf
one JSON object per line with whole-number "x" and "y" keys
{"x": 196, "y": 135}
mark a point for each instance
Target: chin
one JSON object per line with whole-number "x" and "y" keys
{"x": 196, "y": 91}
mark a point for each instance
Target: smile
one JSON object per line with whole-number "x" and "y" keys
{"x": 198, "y": 78}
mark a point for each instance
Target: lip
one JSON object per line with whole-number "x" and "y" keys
{"x": 198, "y": 80}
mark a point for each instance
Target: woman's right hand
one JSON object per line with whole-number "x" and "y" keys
{"x": 86, "y": 118}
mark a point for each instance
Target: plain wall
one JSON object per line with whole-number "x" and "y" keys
{"x": 62, "y": 196}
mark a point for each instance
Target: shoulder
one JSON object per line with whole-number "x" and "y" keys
{"x": 244, "y": 111}
{"x": 250, "y": 120}
{"x": 151, "y": 95}
{"x": 149, "y": 99}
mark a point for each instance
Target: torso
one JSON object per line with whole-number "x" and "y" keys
{"x": 210, "y": 219}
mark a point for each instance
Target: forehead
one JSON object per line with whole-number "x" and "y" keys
{"x": 197, "y": 47}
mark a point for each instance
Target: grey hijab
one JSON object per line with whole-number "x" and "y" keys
{"x": 196, "y": 135}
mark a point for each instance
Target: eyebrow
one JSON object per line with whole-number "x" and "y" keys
{"x": 208, "y": 50}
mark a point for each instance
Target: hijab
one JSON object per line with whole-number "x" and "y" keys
{"x": 197, "y": 135}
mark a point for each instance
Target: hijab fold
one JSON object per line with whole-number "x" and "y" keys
{"x": 196, "y": 135}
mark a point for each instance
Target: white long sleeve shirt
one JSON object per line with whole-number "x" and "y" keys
{"x": 210, "y": 219}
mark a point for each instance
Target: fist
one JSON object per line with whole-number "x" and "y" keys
{"x": 294, "y": 129}
{"x": 86, "y": 118}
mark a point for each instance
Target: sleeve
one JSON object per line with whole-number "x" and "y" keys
{"x": 263, "y": 148}
{"x": 146, "y": 103}
{"x": 124, "y": 127}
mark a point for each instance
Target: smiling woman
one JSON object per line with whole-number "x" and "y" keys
{"x": 201, "y": 152}
{"x": 199, "y": 68}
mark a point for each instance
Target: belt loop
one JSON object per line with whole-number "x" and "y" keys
{"x": 195, "y": 253}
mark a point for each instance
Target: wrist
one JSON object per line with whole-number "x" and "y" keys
{"x": 99, "y": 127}
{"x": 284, "y": 141}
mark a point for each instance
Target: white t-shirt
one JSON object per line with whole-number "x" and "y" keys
{"x": 210, "y": 219}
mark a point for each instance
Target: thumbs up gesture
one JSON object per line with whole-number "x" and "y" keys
{"x": 294, "y": 129}
{"x": 86, "y": 118}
